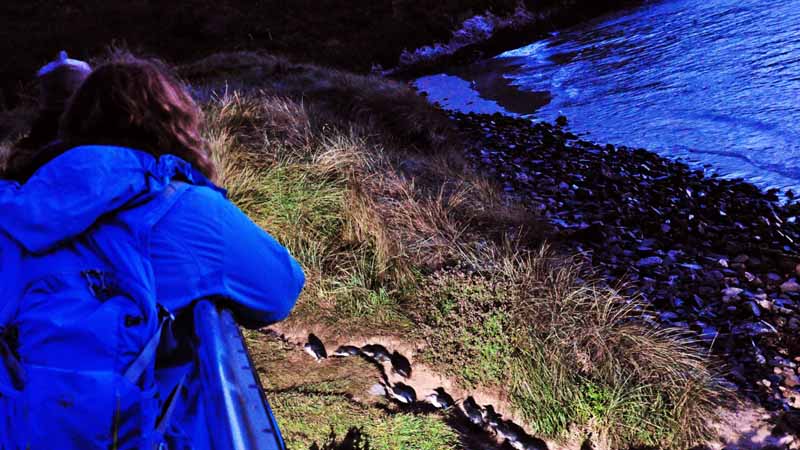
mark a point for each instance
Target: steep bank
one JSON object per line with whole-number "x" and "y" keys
{"x": 352, "y": 34}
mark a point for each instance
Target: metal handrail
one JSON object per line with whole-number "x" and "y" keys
{"x": 239, "y": 416}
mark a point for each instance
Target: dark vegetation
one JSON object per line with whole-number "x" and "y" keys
{"x": 351, "y": 34}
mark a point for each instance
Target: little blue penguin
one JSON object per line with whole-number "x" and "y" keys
{"x": 490, "y": 416}
{"x": 403, "y": 393}
{"x": 346, "y": 350}
{"x": 376, "y": 352}
{"x": 315, "y": 348}
{"x": 473, "y": 411}
{"x": 440, "y": 399}
{"x": 400, "y": 365}
{"x": 507, "y": 432}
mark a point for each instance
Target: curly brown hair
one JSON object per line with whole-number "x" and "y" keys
{"x": 138, "y": 103}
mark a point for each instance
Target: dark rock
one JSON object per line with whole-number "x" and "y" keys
{"x": 650, "y": 261}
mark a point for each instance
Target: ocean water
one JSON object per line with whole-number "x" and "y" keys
{"x": 714, "y": 83}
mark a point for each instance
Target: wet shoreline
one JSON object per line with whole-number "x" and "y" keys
{"x": 716, "y": 257}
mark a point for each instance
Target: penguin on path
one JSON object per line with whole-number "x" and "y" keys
{"x": 472, "y": 411}
{"x": 490, "y": 416}
{"x": 315, "y": 348}
{"x": 376, "y": 352}
{"x": 400, "y": 365}
{"x": 528, "y": 443}
{"x": 440, "y": 399}
{"x": 402, "y": 392}
{"x": 508, "y": 431}
{"x": 346, "y": 350}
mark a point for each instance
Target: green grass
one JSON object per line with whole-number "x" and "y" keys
{"x": 567, "y": 355}
{"x": 310, "y": 418}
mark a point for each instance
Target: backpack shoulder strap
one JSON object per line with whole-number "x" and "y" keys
{"x": 162, "y": 202}
{"x": 152, "y": 212}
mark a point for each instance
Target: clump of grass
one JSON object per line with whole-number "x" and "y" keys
{"x": 569, "y": 353}
{"x": 5, "y": 152}
{"x": 301, "y": 187}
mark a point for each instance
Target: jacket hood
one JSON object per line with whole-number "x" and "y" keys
{"x": 69, "y": 194}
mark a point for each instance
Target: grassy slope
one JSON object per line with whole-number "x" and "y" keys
{"x": 362, "y": 180}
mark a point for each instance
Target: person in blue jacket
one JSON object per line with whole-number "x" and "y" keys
{"x": 132, "y": 194}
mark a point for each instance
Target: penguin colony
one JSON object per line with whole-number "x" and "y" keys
{"x": 483, "y": 417}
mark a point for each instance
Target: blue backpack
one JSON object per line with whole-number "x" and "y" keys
{"x": 83, "y": 375}
{"x": 88, "y": 358}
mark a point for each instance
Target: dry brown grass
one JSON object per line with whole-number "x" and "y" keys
{"x": 409, "y": 192}
{"x": 386, "y": 110}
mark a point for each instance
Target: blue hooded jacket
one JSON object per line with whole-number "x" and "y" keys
{"x": 195, "y": 244}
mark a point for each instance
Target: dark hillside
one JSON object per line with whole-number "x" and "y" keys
{"x": 352, "y": 34}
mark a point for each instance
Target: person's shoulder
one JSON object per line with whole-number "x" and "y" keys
{"x": 202, "y": 204}
{"x": 204, "y": 196}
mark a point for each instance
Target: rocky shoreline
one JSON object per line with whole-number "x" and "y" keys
{"x": 716, "y": 257}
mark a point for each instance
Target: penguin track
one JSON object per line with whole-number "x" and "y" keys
{"x": 749, "y": 421}
{"x": 481, "y": 416}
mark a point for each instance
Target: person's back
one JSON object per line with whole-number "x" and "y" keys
{"x": 85, "y": 313}
{"x": 139, "y": 233}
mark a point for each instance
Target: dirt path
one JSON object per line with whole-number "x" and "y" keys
{"x": 749, "y": 427}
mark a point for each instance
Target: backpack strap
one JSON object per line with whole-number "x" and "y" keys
{"x": 148, "y": 355}
{"x": 163, "y": 202}
{"x": 155, "y": 210}
{"x": 12, "y": 375}
{"x": 169, "y": 407}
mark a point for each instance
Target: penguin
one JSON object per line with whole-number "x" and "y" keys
{"x": 528, "y": 443}
{"x": 472, "y": 411}
{"x": 376, "y": 352}
{"x": 346, "y": 350}
{"x": 440, "y": 399}
{"x": 315, "y": 348}
{"x": 490, "y": 416}
{"x": 506, "y": 431}
{"x": 402, "y": 392}
{"x": 400, "y": 365}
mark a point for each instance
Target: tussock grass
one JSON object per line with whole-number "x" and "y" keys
{"x": 570, "y": 354}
